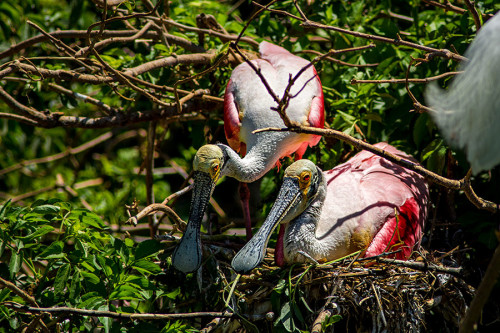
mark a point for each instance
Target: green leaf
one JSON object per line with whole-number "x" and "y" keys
{"x": 92, "y": 302}
{"x": 286, "y": 317}
{"x": 147, "y": 248}
{"x": 146, "y": 266}
{"x": 75, "y": 288}
{"x": 16, "y": 259}
{"x": 90, "y": 277}
{"x": 5, "y": 206}
{"x": 61, "y": 279}
{"x": 53, "y": 251}
{"x": 46, "y": 209}
{"x": 45, "y": 229}
{"x": 330, "y": 320}
{"x": 125, "y": 292}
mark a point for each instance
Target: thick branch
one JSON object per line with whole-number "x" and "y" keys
{"x": 106, "y": 34}
{"x": 359, "y": 144}
{"x": 18, "y": 291}
{"x": 482, "y": 294}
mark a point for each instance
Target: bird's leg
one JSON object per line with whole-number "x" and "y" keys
{"x": 245, "y": 204}
{"x": 308, "y": 256}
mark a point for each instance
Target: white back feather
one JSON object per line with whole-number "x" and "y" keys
{"x": 468, "y": 113}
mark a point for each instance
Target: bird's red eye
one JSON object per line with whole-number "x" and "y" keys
{"x": 215, "y": 168}
{"x": 306, "y": 178}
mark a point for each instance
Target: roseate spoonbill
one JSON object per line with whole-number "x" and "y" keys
{"x": 468, "y": 113}
{"x": 366, "y": 203}
{"x": 248, "y": 107}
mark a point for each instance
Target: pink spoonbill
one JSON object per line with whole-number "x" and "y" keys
{"x": 248, "y": 106}
{"x": 367, "y": 203}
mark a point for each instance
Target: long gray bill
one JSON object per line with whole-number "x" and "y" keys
{"x": 188, "y": 254}
{"x": 253, "y": 252}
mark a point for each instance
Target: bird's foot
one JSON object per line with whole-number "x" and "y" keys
{"x": 308, "y": 256}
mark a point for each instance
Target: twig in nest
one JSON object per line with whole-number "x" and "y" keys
{"x": 422, "y": 266}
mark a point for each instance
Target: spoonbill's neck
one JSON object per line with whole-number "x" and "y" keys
{"x": 256, "y": 163}
{"x": 300, "y": 234}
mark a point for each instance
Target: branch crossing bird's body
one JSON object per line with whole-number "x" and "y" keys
{"x": 367, "y": 203}
{"x": 248, "y": 106}
{"x": 468, "y": 113}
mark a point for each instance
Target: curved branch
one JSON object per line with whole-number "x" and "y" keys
{"x": 157, "y": 207}
{"x": 424, "y": 80}
{"x": 462, "y": 184}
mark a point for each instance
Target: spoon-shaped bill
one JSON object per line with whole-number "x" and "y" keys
{"x": 188, "y": 254}
{"x": 252, "y": 254}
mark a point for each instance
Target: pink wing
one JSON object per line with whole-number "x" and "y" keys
{"x": 404, "y": 190}
{"x": 232, "y": 121}
{"x": 316, "y": 118}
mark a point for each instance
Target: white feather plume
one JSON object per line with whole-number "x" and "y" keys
{"x": 468, "y": 113}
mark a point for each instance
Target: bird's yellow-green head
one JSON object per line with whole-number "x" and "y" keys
{"x": 300, "y": 186}
{"x": 209, "y": 159}
{"x": 304, "y": 171}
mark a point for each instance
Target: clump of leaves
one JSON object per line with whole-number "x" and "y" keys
{"x": 65, "y": 256}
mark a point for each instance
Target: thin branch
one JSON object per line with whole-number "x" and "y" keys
{"x": 447, "y": 6}
{"x": 108, "y": 41}
{"x": 70, "y": 151}
{"x": 473, "y": 12}
{"x": 308, "y": 24}
{"x": 168, "y": 113}
{"x": 340, "y": 62}
{"x": 116, "y": 315}
{"x": 178, "y": 194}
{"x": 149, "y": 162}
{"x": 424, "y": 80}
{"x": 157, "y": 207}
{"x": 379, "y": 303}
{"x": 223, "y": 37}
{"x": 422, "y": 266}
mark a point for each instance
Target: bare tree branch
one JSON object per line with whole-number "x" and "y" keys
{"x": 116, "y": 315}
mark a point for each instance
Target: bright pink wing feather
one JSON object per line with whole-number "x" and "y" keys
{"x": 232, "y": 121}
{"x": 404, "y": 189}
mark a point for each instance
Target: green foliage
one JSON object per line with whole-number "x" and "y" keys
{"x": 62, "y": 254}
{"x": 65, "y": 256}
